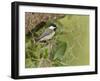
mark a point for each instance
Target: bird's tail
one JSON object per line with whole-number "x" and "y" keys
{"x": 37, "y": 39}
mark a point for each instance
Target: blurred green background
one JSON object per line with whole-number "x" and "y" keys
{"x": 69, "y": 46}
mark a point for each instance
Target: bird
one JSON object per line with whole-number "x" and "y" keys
{"x": 48, "y": 33}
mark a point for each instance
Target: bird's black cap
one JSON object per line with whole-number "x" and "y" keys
{"x": 52, "y": 24}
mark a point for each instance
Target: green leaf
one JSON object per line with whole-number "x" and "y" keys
{"x": 61, "y": 48}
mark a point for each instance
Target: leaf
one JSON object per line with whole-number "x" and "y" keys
{"x": 61, "y": 48}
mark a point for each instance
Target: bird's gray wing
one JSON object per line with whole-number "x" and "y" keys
{"x": 47, "y": 32}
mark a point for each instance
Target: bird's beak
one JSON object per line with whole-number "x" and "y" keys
{"x": 55, "y": 28}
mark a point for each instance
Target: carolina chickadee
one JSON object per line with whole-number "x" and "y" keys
{"x": 48, "y": 33}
